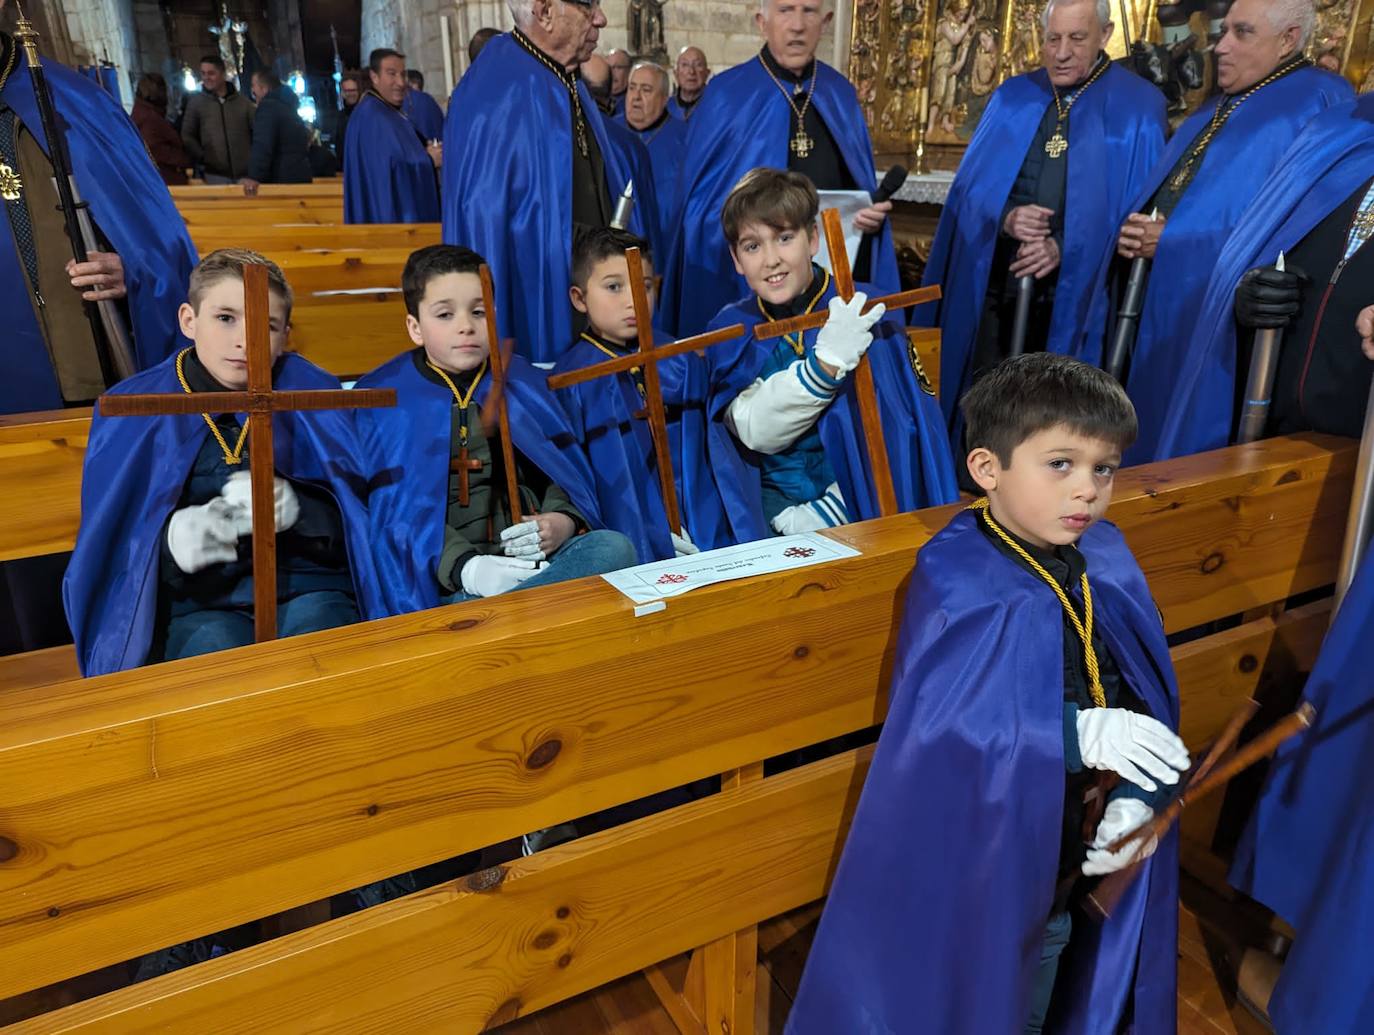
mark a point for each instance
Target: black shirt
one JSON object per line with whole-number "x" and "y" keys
{"x": 824, "y": 165}
{"x": 686, "y": 106}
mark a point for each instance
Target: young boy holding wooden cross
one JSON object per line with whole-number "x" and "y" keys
{"x": 1030, "y": 725}
{"x": 446, "y": 524}
{"x": 163, "y": 563}
{"x": 791, "y": 402}
{"x": 610, "y": 416}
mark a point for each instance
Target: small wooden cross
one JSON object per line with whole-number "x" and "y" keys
{"x": 462, "y": 465}
{"x": 259, "y": 402}
{"x": 863, "y": 374}
{"x": 647, "y": 358}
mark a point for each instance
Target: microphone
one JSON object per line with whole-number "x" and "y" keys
{"x": 892, "y": 183}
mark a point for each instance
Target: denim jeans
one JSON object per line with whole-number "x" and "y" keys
{"x": 1057, "y": 932}
{"x": 594, "y": 553}
{"x": 216, "y": 629}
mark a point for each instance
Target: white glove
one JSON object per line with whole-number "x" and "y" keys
{"x": 201, "y": 536}
{"x": 1131, "y": 745}
{"x": 522, "y": 541}
{"x": 487, "y": 575}
{"x": 826, "y": 512}
{"x": 1121, "y": 816}
{"x": 847, "y": 333}
{"x": 682, "y": 544}
{"x": 238, "y": 493}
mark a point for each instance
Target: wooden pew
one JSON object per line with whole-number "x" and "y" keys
{"x": 331, "y": 188}
{"x": 269, "y": 212}
{"x": 143, "y": 808}
{"x": 274, "y": 240}
{"x": 313, "y": 275}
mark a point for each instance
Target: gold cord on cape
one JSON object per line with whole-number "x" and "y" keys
{"x": 566, "y": 78}
{"x": 1058, "y": 144}
{"x": 234, "y": 458}
{"x": 802, "y": 144}
{"x": 799, "y": 346}
{"x": 463, "y": 401}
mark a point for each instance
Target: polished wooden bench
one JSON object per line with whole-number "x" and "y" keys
{"x": 274, "y": 240}
{"x": 143, "y": 808}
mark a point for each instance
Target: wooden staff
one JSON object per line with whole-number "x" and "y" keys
{"x": 810, "y": 321}
{"x": 259, "y": 402}
{"x": 498, "y": 384}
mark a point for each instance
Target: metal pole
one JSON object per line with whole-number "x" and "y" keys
{"x": 1025, "y": 288}
{"x": 1128, "y": 318}
{"x": 1259, "y": 385}
{"x": 1361, "y": 520}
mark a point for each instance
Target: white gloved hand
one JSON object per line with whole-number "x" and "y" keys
{"x": 826, "y": 512}
{"x": 1121, "y": 816}
{"x": 1131, "y": 745}
{"x": 198, "y": 537}
{"x": 847, "y": 333}
{"x": 682, "y": 544}
{"x": 238, "y": 493}
{"x": 522, "y": 541}
{"x": 487, "y": 575}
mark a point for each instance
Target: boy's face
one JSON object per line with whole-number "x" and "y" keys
{"x": 607, "y": 300}
{"x": 219, "y": 330}
{"x": 452, "y": 322}
{"x": 1057, "y": 484}
{"x": 776, "y": 263}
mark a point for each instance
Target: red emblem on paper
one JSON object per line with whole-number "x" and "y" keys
{"x": 798, "y": 551}
{"x": 671, "y": 580}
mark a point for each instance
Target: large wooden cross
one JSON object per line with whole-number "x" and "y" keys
{"x": 259, "y": 402}
{"x": 647, "y": 359}
{"x": 496, "y": 395}
{"x": 863, "y": 374}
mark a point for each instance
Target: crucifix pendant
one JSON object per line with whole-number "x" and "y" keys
{"x": 582, "y": 139}
{"x": 801, "y": 144}
{"x": 463, "y": 464}
{"x": 11, "y": 187}
{"x": 1056, "y": 145}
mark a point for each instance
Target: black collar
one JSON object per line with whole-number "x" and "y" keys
{"x": 1065, "y": 563}
{"x": 799, "y": 302}
{"x": 555, "y": 66}
{"x": 786, "y": 75}
{"x": 370, "y": 92}
{"x": 687, "y": 105}
{"x": 619, "y": 350}
{"x": 651, "y": 126}
{"x": 201, "y": 380}
{"x": 460, "y": 381}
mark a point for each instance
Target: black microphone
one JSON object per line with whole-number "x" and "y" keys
{"x": 892, "y": 183}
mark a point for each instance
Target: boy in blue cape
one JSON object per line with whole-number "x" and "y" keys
{"x": 1031, "y": 673}
{"x": 716, "y": 507}
{"x": 790, "y": 401}
{"x": 441, "y": 528}
{"x": 163, "y": 563}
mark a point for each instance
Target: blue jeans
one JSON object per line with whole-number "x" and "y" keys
{"x": 1057, "y": 931}
{"x": 216, "y": 629}
{"x": 594, "y": 553}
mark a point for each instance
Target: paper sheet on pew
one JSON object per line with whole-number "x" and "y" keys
{"x": 385, "y": 290}
{"x": 850, "y": 203}
{"x": 647, "y": 583}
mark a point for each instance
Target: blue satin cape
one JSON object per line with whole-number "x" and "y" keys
{"x": 937, "y": 912}
{"x": 408, "y": 448}
{"x": 507, "y": 161}
{"x": 1116, "y": 130}
{"x": 132, "y": 208}
{"x": 424, "y": 111}
{"x": 917, "y": 447}
{"x": 1332, "y": 158}
{"x": 1306, "y": 851}
{"x": 1234, "y": 166}
{"x": 666, "y": 147}
{"x": 743, "y": 121}
{"x": 716, "y": 504}
{"x": 134, "y": 474}
{"x": 388, "y": 174}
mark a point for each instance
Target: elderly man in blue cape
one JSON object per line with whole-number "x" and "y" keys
{"x": 1306, "y": 851}
{"x": 664, "y": 137}
{"x": 421, "y": 108}
{"x": 1207, "y": 177}
{"x": 783, "y": 109}
{"x": 389, "y": 164}
{"x": 1056, "y": 160}
{"x": 692, "y": 74}
{"x": 1315, "y": 209}
{"x": 519, "y": 122}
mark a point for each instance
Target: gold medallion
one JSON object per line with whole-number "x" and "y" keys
{"x": 802, "y": 144}
{"x": 11, "y": 187}
{"x": 1056, "y": 145}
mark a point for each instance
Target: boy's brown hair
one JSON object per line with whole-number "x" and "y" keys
{"x": 229, "y": 262}
{"x": 776, "y": 198}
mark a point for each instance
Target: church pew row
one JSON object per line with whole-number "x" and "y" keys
{"x": 143, "y": 808}
{"x": 274, "y": 240}
{"x": 272, "y": 212}
{"x": 233, "y": 192}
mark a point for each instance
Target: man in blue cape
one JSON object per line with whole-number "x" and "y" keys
{"x": 1057, "y": 158}
{"x": 692, "y": 74}
{"x": 519, "y": 121}
{"x": 421, "y": 108}
{"x": 784, "y": 110}
{"x": 1305, "y": 854}
{"x": 146, "y": 256}
{"x": 389, "y": 167}
{"x": 1024, "y": 639}
{"x": 1309, "y": 210}
{"x": 664, "y": 137}
{"x": 1207, "y": 177}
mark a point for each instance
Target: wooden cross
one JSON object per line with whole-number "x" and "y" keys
{"x": 863, "y": 374}
{"x": 259, "y": 402}
{"x": 647, "y": 359}
{"x": 462, "y": 465}
{"x": 496, "y": 395}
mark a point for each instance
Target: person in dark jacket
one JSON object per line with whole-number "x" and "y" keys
{"x": 281, "y": 139}
{"x": 218, "y": 126}
{"x": 159, "y": 137}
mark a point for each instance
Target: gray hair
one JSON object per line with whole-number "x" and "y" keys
{"x": 521, "y": 10}
{"x": 660, "y": 73}
{"x": 1104, "y": 11}
{"x": 1299, "y": 14}
{"x": 764, "y": 5}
